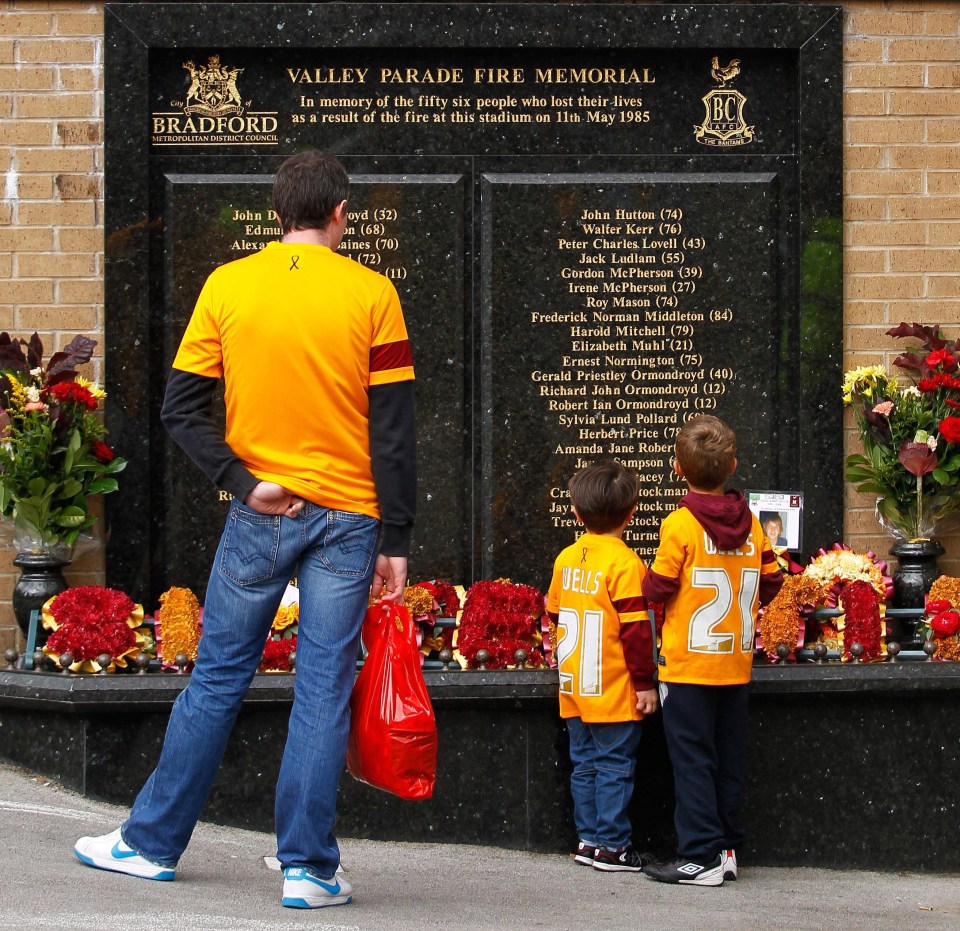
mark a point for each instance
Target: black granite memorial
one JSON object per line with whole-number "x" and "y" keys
{"x": 601, "y": 220}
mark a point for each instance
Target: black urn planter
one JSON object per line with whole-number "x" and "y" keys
{"x": 41, "y": 577}
{"x": 916, "y": 571}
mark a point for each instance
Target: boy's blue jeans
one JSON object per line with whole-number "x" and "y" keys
{"x": 258, "y": 554}
{"x": 604, "y": 760}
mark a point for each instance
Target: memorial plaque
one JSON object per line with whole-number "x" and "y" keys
{"x": 656, "y": 299}
{"x": 600, "y": 219}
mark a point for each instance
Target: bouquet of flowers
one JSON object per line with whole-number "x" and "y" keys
{"x": 52, "y": 450}
{"x": 910, "y": 434}
{"x": 941, "y": 622}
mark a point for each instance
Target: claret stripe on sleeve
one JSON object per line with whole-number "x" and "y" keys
{"x": 630, "y": 605}
{"x": 395, "y": 355}
{"x": 767, "y": 557}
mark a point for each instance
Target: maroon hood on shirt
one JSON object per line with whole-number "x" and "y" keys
{"x": 726, "y": 518}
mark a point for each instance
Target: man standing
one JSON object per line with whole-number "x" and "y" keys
{"x": 319, "y": 455}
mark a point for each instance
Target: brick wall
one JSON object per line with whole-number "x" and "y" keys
{"x": 51, "y": 200}
{"x": 901, "y": 194}
{"x": 901, "y": 183}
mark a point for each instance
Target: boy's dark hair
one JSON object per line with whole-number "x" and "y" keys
{"x": 604, "y": 493}
{"x": 706, "y": 448}
{"x": 307, "y": 188}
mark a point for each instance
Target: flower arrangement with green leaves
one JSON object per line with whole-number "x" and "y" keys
{"x": 910, "y": 434}
{"x": 53, "y": 454}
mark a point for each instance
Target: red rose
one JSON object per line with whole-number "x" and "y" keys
{"x": 938, "y": 606}
{"x": 950, "y": 429}
{"x": 946, "y": 623}
{"x": 102, "y": 452}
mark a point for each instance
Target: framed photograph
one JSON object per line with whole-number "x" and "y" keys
{"x": 781, "y": 516}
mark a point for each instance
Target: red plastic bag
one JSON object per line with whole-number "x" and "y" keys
{"x": 393, "y": 733}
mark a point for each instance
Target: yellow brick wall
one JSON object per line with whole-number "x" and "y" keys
{"x": 901, "y": 193}
{"x": 51, "y": 200}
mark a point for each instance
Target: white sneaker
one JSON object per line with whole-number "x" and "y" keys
{"x": 109, "y": 852}
{"x": 302, "y": 889}
{"x": 729, "y": 858}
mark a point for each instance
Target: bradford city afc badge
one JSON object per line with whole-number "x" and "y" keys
{"x": 213, "y": 89}
{"x": 723, "y": 123}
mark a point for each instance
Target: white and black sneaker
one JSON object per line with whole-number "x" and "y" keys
{"x": 627, "y": 860}
{"x": 729, "y": 864}
{"x": 688, "y": 872}
{"x": 585, "y": 853}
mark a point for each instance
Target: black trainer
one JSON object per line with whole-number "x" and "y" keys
{"x": 585, "y": 854}
{"x": 626, "y": 860}
{"x": 688, "y": 872}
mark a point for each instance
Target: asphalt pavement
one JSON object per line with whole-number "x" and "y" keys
{"x": 225, "y": 884}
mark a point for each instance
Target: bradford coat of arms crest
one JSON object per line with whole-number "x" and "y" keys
{"x": 723, "y": 123}
{"x": 213, "y": 89}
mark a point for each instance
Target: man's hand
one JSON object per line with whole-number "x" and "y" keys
{"x": 389, "y": 578}
{"x": 271, "y": 498}
{"x": 647, "y": 701}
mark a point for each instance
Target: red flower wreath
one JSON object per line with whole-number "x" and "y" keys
{"x": 861, "y": 624}
{"x": 501, "y": 617}
{"x": 276, "y": 654}
{"x": 90, "y": 620}
{"x": 447, "y": 598}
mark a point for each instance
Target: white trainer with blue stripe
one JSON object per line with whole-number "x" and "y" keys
{"x": 302, "y": 889}
{"x": 109, "y": 852}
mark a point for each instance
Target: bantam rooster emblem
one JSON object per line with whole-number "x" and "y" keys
{"x": 723, "y": 75}
{"x": 723, "y": 122}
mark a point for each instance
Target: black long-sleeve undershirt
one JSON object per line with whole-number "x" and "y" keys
{"x": 188, "y": 417}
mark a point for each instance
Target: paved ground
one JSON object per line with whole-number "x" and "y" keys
{"x": 223, "y": 884}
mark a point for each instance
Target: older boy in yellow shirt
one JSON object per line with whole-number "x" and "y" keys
{"x": 713, "y": 567}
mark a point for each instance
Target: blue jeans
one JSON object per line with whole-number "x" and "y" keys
{"x": 604, "y": 760}
{"x": 258, "y": 554}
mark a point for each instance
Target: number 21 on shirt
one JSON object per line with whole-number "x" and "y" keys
{"x": 703, "y": 636}
{"x": 588, "y": 635}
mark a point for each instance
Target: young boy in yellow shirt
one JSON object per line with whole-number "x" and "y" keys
{"x": 713, "y": 567}
{"x": 605, "y": 656}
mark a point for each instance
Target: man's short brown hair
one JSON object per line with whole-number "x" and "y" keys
{"x": 604, "y": 493}
{"x": 307, "y": 188}
{"x": 706, "y": 449}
